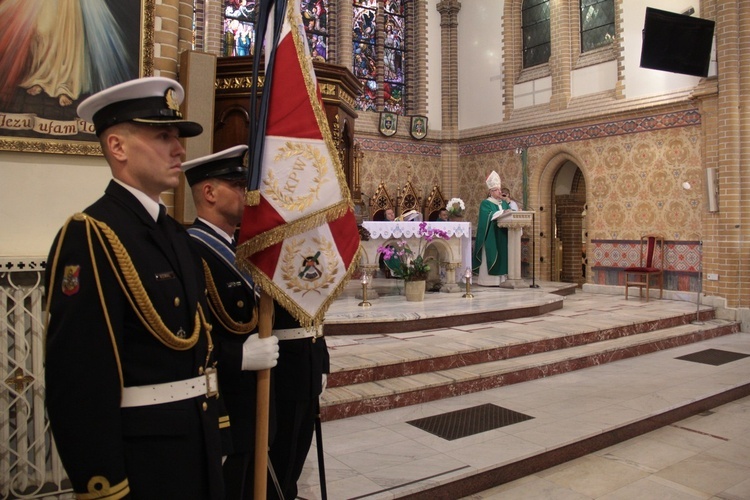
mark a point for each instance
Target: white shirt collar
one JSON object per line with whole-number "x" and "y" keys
{"x": 218, "y": 230}
{"x": 150, "y": 205}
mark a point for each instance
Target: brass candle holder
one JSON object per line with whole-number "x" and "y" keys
{"x": 365, "y": 280}
{"x": 467, "y": 277}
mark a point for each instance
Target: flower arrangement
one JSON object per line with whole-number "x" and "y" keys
{"x": 404, "y": 262}
{"x": 455, "y": 207}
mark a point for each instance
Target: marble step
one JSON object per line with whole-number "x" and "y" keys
{"x": 347, "y": 400}
{"x": 397, "y": 361}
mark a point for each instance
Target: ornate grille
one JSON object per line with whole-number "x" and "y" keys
{"x": 29, "y": 465}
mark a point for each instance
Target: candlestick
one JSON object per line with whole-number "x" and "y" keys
{"x": 467, "y": 276}
{"x": 365, "y": 280}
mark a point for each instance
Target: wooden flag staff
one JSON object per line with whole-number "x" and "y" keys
{"x": 265, "y": 322}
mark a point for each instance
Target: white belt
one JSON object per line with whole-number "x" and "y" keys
{"x": 169, "y": 392}
{"x": 297, "y": 333}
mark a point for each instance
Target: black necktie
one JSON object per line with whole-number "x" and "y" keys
{"x": 162, "y": 217}
{"x": 168, "y": 232}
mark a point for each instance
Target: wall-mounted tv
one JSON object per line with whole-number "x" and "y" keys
{"x": 676, "y": 42}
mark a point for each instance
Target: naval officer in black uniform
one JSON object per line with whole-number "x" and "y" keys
{"x": 130, "y": 376}
{"x": 218, "y": 185}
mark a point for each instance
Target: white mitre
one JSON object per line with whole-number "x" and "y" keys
{"x": 493, "y": 180}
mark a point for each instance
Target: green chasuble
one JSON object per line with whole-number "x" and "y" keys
{"x": 490, "y": 238}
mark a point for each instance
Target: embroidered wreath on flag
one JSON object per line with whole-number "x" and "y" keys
{"x": 312, "y": 155}
{"x": 290, "y": 266}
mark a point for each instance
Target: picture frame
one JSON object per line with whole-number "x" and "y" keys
{"x": 37, "y": 114}
{"x": 388, "y": 123}
{"x": 418, "y": 128}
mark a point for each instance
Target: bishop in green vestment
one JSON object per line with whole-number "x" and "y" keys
{"x": 490, "y": 255}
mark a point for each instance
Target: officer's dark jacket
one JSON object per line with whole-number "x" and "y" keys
{"x": 97, "y": 342}
{"x": 232, "y": 325}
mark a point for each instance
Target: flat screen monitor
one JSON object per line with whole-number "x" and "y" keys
{"x": 676, "y": 42}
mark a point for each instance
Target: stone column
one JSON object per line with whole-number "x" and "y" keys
{"x": 450, "y": 285}
{"x": 724, "y": 104}
{"x": 560, "y": 62}
{"x": 448, "y": 10}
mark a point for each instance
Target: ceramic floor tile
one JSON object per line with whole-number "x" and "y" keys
{"x": 650, "y": 488}
{"x": 647, "y": 454}
{"x": 381, "y": 457}
{"x": 494, "y": 452}
{"x": 706, "y": 474}
{"x": 530, "y": 488}
{"x": 596, "y": 476}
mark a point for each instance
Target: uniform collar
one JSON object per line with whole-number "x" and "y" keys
{"x": 150, "y": 205}
{"x": 218, "y": 230}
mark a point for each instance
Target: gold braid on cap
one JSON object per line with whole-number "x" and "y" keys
{"x": 137, "y": 295}
{"x": 217, "y": 308}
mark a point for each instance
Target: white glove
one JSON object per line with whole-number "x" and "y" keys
{"x": 324, "y": 384}
{"x": 260, "y": 354}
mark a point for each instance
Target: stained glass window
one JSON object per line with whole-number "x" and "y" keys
{"x": 239, "y": 26}
{"x": 315, "y": 19}
{"x": 238, "y": 36}
{"x": 365, "y": 31}
{"x": 393, "y": 57}
{"x": 597, "y": 23}
{"x": 364, "y": 34}
{"x": 535, "y": 23}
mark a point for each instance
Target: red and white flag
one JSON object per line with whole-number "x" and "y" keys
{"x": 301, "y": 238}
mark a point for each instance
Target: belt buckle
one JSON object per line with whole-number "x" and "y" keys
{"x": 212, "y": 382}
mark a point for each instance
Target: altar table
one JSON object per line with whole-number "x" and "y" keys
{"x": 455, "y": 251}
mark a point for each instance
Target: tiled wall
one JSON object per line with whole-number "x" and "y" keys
{"x": 633, "y": 168}
{"x": 608, "y": 258}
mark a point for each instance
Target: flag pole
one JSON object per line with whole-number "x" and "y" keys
{"x": 261, "y": 407}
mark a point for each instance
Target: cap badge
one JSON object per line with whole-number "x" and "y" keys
{"x": 172, "y": 102}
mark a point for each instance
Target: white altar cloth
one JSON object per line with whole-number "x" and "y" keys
{"x": 382, "y": 231}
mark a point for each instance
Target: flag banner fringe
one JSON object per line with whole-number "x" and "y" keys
{"x": 290, "y": 229}
{"x": 252, "y": 198}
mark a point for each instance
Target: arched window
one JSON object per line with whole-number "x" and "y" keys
{"x": 367, "y": 53}
{"x": 597, "y": 23}
{"x": 535, "y": 25}
{"x": 238, "y": 31}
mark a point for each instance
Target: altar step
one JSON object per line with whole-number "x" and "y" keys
{"x": 414, "y": 368}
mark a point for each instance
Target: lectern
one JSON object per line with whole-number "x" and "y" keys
{"x": 515, "y": 221}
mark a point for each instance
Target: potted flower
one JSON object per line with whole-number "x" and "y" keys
{"x": 409, "y": 265}
{"x": 455, "y": 208}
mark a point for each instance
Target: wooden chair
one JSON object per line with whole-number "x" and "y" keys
{"x": 380, "y": 202}
{"x": 409, "y": 200}
{"x": 651, "y": 265}
{"x": 434, "y": 204}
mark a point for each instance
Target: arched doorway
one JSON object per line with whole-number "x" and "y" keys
{"x": 569, "y": 232}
